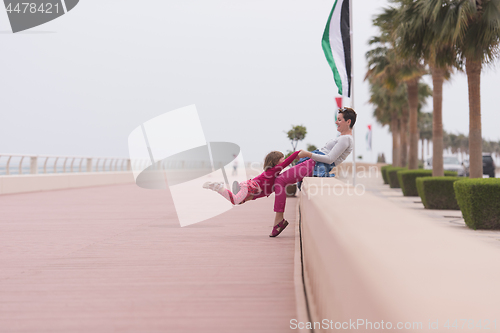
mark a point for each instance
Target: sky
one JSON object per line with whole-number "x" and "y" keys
{"x": 79, "y": 85}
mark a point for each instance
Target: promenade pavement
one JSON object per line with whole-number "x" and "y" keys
{"x": 451, "y": 219}
{"x": 114, "y": 259}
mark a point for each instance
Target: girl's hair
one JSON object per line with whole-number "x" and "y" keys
{"x": 272, "y": 159}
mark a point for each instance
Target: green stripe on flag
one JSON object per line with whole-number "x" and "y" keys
{"x": 327, "y": 48}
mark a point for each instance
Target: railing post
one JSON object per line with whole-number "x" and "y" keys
{"x": 129, "y": 165}
{"x": 7, "y": 171}
{"x": 64, "y": 165}
{"x": 21, "y": 165}
{"x": 55, "y": 164}
{"x": 34, "y": 165}
{"x": 45, "y": 165}
{"x": 89, "y": 165}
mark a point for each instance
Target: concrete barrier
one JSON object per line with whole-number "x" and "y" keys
{"x": 46, "y": 182}
{"x": 369, "y": 262}
{"x": 363, "y": 170}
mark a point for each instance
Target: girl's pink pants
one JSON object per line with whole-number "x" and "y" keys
{"x": 290, "y": 176}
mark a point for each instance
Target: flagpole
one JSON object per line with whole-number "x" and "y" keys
{"x": 352, "y": 96}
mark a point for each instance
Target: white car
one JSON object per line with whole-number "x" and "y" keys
{"x": 450, "y": 163}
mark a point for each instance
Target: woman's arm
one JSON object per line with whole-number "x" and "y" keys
{"x": 340, "y": 147}
{"x": 304, "y": 154}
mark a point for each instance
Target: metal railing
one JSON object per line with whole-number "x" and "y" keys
{"x": 17, "y": 164}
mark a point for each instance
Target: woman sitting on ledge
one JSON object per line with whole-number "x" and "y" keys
{"x": 335, "y": 151}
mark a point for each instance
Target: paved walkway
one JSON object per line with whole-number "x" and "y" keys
{"x": 452, "y": 219}
{"x": 114, "y": 259}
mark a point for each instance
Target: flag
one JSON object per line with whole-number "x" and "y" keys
{"x": 339, "y": 104}
{"x": 339, "y": 101}
{"x": 336, "y": 44}
{"x": 369, "y": 138}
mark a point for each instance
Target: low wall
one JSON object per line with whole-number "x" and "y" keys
{"x": 45, "y": 182}
{"x": 366, "y": 259}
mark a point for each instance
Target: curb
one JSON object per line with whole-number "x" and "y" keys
{"x": 300, "y": 297}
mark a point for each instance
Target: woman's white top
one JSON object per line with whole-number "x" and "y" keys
{"x": 335, "y": 150}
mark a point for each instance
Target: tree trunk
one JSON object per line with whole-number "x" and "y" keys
{"x": 403, "y": 157}
{"x": 422, "y": 140}
{"x": 437, "y": 121}
{"x": 428, "y": 147}
{"x": 396, "y": 160}
{"x": 473, "y": 70}
{"x": 412, "y": 87}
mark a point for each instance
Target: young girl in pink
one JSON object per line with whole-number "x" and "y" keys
{"x": 260, "y": 186}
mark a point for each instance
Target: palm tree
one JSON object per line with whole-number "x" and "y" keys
{"x": 497, "y": 150}
{"x": 454, "y": 143}
{"x": 387, "y": 111}
{"x": 406, "y": 69}
{"x": 381, "y": 101}
{"x": 419, "y": 37}
{"x": 446, "y": 140}
{"x": 423, "y": 91}
{"x": 404, "y": 134}
{"x": 473, "y": 27}
{"x": 463, "y": 143}
{"x": 425, "y": 128}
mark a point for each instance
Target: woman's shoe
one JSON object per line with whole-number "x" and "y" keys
{"x": 278, "y": 228}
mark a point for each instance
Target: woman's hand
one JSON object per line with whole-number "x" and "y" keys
{"x": 303, "y": 154}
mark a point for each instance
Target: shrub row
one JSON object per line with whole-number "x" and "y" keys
{"x": 407, "y": 180}
{"x": 437, "y": 192}
{"x": 479, "y": 201}
{"x": 384, "y": 173}
{"x": 392, "y": 176}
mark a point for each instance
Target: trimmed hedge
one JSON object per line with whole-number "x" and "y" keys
{"x": 384, "y": 173}
{"x": 407, "y": 179}
{"x": 479, "y": 201}
{"x": 437, "y": 192}
{"x": 392, "y": 175}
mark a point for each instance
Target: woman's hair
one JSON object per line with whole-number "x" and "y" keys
{"x": 272, "y": 159}
{"x": 349, "y": 114}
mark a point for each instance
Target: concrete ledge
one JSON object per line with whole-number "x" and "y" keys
{"x": 346, "y": 167}
{"x": 366, "y": 258}
{"x": 300, "y": 297}
{"x": 47, "y": 182}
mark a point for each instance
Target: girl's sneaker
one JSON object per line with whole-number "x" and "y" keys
{"x": 236, "y": 187}
{"x": 214, "y": 186}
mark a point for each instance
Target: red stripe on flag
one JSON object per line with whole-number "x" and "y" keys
{"x": 339, "y": 102}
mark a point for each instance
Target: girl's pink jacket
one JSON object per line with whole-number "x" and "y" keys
{"x": 267, "y": 178}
